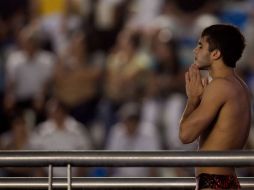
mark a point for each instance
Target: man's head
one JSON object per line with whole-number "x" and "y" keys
{"x": 130, "y": 115}
{"x": 29, "y": 38}
{"x": 221, "y": 41}
{"x": 57, "y": 110}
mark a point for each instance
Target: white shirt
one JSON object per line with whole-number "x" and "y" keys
{"x": 29, "y": 75}
{"x": 49, "y": 137}
{"x": 143, "y": 140}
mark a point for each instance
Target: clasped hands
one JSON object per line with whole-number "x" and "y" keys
{"x": 194, "y": 84}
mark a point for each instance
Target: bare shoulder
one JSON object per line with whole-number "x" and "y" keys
{"x": 220, "y": 87}
{"x": 223, "y": 90}
{"x": 221, "y": 83}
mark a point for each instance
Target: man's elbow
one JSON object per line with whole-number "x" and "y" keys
{"x": 185, "y": 139}
{"x": 185, "y": 136}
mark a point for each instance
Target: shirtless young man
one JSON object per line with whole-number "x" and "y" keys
{"x": 218, "y": 113}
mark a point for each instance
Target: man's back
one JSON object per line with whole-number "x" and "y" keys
{"x": 229, "y": 130}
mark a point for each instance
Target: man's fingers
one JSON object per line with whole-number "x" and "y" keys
{"x": 205, "y": 82}
{"x": 195, "y": 73}
{"x": 198, "y": 77}
{"x": 195, "y": 66}
{"x": 187, "y": 77}
{"x": 192, "y": 73}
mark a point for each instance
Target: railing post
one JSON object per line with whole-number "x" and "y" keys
{"x": 50, "y": 174}
{"x": 69, "y": 176}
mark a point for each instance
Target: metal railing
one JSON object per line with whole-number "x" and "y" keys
{"x": 109, "y": 183}
{"x": 118, "y": 159}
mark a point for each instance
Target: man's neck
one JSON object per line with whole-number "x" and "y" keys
{"x": 220, "y": 70}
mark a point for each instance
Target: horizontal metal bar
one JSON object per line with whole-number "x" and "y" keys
{"x": 112, "y": 183}
{"x": 123, "y": 158}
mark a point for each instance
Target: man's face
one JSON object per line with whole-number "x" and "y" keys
{"x": 131, "y": 126}
{"x": 202, "y": 54}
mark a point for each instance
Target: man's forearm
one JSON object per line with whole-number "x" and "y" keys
{"x": 185, "y": 131}
{"x": 191, "y": 105}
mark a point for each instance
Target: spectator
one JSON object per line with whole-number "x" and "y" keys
{"x": 76, "y": 80}
{"x": 127, "y": 71}
{"x": 57, "y": 20}
{"x": 16, "y": 139}
{"x": 60, "y": 132}
{"x": 29, "y": 72}
{"x": 130, "y": 134}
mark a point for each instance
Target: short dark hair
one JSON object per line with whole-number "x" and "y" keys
{"x": 226, "y": 38}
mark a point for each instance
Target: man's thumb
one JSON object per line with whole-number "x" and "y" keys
{"x": 205, "y": 82}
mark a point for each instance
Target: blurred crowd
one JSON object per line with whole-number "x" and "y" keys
{"x": 105, "y": 75}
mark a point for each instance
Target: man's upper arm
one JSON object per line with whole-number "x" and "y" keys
{"x": 213, "y": 99}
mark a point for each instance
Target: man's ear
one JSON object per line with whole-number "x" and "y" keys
{"x": 216, "y": 54}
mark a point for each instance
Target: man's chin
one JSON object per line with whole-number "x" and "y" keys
{"x": 202, "y": 67}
